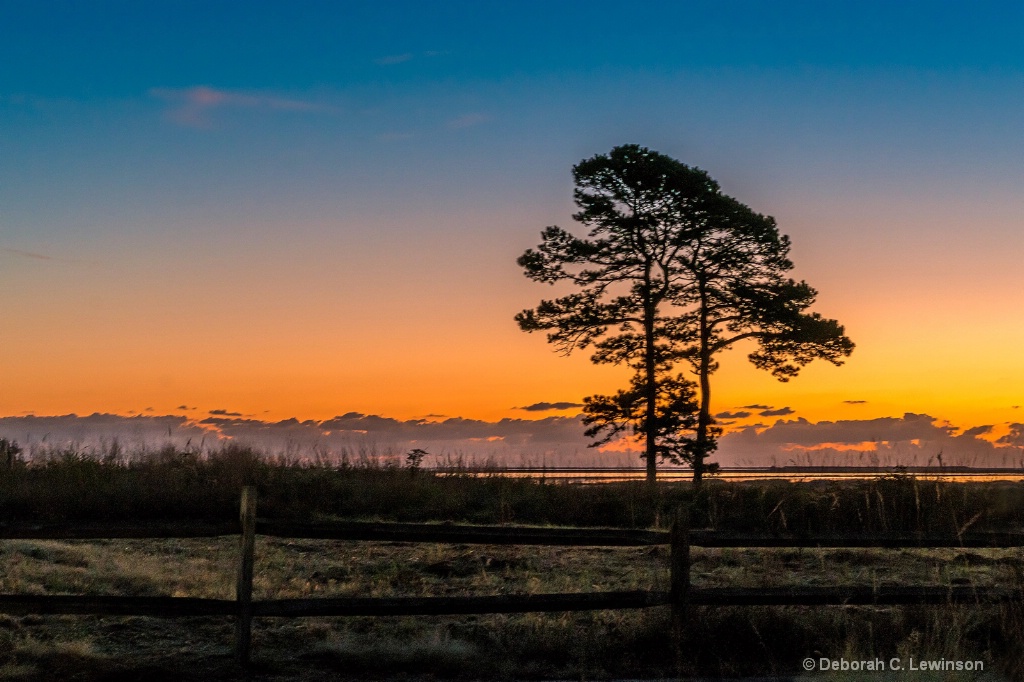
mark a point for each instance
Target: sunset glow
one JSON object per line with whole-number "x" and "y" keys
{"x": 327, "y": 221}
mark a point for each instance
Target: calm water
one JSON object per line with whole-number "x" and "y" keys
{"x": 580, "y": 475}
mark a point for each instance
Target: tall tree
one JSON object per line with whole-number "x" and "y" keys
{"x": 738, "y": 288}
{"x": 681, "y": 272}
{"x": 644, "y": 211}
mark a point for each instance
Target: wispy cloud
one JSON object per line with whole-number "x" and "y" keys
{"x": 225, "y": 413}
{"x": 21, "y": 253}
{"x": 733, "y": 415}
{"x": 544, "y": 407}
{"x": 854, "y": 402}
{"x": 394, "y": 59}
{"x": 28, "y": 254}
{"x": 780, "y": 412}
{"x": 468, "y": 120}
{"x": 193, "y": 106}
{"x": 391, "y": 59}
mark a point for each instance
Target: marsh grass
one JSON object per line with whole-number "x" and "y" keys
{"x": 175, "y": 484}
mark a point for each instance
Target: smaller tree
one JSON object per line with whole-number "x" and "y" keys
{"x": 414, "y": 459}
{"x": 609, "y": 417}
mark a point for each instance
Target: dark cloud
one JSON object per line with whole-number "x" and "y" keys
{"x": 552, "y": 440}
{"x": 910, "y": 439}
{"x": 756, "y": 407}
{"x": 544, "y": 407}
{"x": 733, "y": 415}
{"x": 368, "y": 423}
{"x": 854, "y": 402}
{"x": 230, "y": 421}
{"x": 97, "y": 431}
{"x": 225, "y": 413}
{"x": 781, "y": 412}
{"x": 1015, "y": 437}
{"x": 522, "y": 431}
{"x": 908, "y": 427}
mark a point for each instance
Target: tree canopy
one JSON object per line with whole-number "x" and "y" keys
{"x": 671, "y": 272}
{"x": 737, "y": 287}
{"x": 639, "y": 206}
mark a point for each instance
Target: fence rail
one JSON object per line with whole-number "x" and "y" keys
{"x": 165, "y": 607}
{"x": 497, "y": 535}
{"x": 76, "y": 530}
{"x": 681, "y": 595}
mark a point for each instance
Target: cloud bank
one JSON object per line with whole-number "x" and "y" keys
{"x": 912, "y": 439}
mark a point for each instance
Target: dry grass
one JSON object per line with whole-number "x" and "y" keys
{"x": 598, "y": 645}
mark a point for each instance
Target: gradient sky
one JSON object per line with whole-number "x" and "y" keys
{"x": 307, "y": 209}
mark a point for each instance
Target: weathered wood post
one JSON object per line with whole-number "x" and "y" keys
{"x": 243, "y": 588}
{"x": 680, "y": 577}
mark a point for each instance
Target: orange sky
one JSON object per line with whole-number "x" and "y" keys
{"x": 330, "y": 223}
{"x": 278, "y": 328}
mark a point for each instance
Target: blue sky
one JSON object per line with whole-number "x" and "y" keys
{"x": 459, "y": 101}
{"x": 111, "y": 49}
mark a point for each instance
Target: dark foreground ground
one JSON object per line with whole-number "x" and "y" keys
{"x": 624, "y": 644}
{"x": 627, "y": 644}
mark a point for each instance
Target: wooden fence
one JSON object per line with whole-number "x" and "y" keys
{"x": 680, "y": 596}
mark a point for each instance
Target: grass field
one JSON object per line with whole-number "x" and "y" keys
{"x": 597, "y": 645}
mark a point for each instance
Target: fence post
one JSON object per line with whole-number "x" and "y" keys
{"x": 680, "y": 577}
{"x": 243, "y": 588}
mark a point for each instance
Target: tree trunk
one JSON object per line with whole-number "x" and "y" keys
{"x": 701, "y": 447}
{"x": 650, "y": 396}
{"x": 703, "y": 422}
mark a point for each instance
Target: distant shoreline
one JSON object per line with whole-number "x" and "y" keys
{"x": 965, "y": 470}
{"x": 961, "y": 474}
